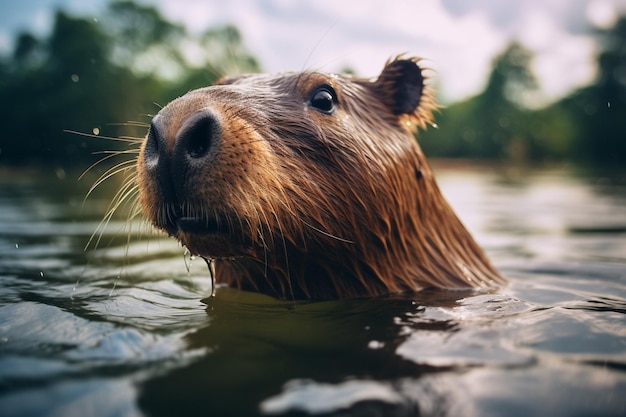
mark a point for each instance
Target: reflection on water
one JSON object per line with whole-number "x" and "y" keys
{"x": 127, "y": 329}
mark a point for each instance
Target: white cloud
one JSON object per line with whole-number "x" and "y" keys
{"x": 330, "y": 35}
{"x": 457, "y": 38}
{"x": 566, "y": 66}
{"x": 602, "y": 13}
{"x": 562, "y": 60}
{"x": 458, "y": 49}
{"x": 196, "y": 15}
{"x": 5, "y": 42}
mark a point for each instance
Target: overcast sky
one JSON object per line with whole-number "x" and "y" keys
{"x": 457, "y": 37}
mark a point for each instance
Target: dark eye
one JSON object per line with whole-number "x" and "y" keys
{"x": 323, "y": 99}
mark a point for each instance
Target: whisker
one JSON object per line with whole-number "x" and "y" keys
{"x": 113, "y": 138}
{"x": 317, "y": 45}
{"x": 110, "y": 154}
{"x": 133, "y": 123}
{"x": 131, "y": 139}
{"x": 95, "y": 164}
{"x": 326, "y": 233}
{"x": 128, "y": 190}
{"x": 284, "y": 242}
{"x": 124, "y": 152}
{"x": 114, "y": 170}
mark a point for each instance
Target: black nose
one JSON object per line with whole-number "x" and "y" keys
{"x": 172, "y": 162}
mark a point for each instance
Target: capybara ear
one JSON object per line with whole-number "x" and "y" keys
{"x": 402, "y": 89}
{"x": 401, "y": 85}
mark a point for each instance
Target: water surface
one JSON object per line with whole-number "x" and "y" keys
{"x": 128, "y": 328}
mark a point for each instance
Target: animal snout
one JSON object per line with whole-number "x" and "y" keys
{"x": 189, "y": 145}
{"x": 172, "y": 155}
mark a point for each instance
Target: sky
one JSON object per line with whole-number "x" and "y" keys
{"x": 457, "y": 38}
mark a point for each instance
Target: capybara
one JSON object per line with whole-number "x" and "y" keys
{"x": 308, "y": 185}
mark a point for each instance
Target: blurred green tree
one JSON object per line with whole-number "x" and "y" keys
{"x": 91, "y": 73}
{"x": 219, "y": 51}
{"x": 145, "y": 41}
{"x": 494, "y": 124}
{"x": 52, "y": 85}
{"x": 600, "y": 109}
{"x": 587, "y": 126}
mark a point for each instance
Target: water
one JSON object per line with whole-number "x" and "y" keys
{"x": 127, "y": 329}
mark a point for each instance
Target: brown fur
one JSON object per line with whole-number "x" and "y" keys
{"x": 297, "y": 203}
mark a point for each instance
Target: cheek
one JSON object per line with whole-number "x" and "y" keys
{"x": 241, "y": 162}
{"x": 242, "y": 176}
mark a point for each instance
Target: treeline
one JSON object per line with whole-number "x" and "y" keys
{"x": 588, "y": 126}
{"x": 89, "y": 73}
{"x": 121, "y": 67}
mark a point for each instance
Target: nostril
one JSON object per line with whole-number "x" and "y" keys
{"x": 198, "y": 146}
{"x": 198, "y": 135}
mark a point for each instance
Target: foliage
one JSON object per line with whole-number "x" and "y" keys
{"x": 492, "y": 124}
{"x": 89, "y": 74}
{"x": 587, "y": 126}
{"x": 600, "y": 109}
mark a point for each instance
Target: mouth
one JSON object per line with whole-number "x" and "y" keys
{"x": 201, "y": 226}
{"x": 212, "y": 238}
{"x": 217, "y": 236}
{"x": 175, "y": 220}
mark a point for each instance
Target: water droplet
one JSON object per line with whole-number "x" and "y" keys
{"x": 96, "y": 131}
{"x": 114, "y": 286}
{"x": 188, "y": 258}
{"x": 375, "y": 344}
{"x": 75, "y": 78}
{"x": 41, "y": 274}
{"x": 17, "y": 246}
{"x": 60, "y": 173}
{"x": 211, "y": 264}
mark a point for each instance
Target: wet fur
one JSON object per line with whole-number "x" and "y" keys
{"x": 314, "y": 205}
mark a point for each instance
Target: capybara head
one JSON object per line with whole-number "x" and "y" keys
{"x": 308, "y": 185}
